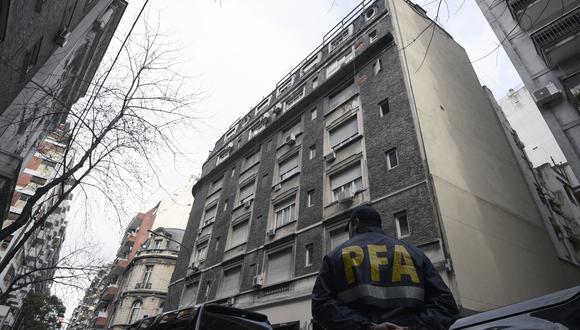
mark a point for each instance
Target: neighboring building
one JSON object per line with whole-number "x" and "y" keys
{"x": 83, "y": 314}
{"x": 173, "y": 212}
{"x": 49, "y": 53}
{"x": 548, "y": 184}
{"x": 143, "y": 286}
{"x": 136, "y": 234}
{"x": 525, "y": 117}
{"x": 35, "y": 261}
{"x": 542, "y": 39}
{"x": 369, "y": 117}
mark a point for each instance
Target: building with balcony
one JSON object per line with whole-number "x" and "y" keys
{"x": 369, "y": 117}
{"x": 136, "y": 234}
{"x": 34, "y": 262}
{"x": 84, "y": 313}
{"x": 49, "y": 53}
{"x": 143, "y": 286}
{"x": 542, "y": 39}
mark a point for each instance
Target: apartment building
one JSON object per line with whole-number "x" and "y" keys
{"x": 34, "y": 263}
{"x": 541, "y": 38}
{"x": 143, "y": 287}
{"x": 83, "y": 314}
{"x": 383, "y": 114}
{"x": 136, "y": 234}
{"x": 49, "y": 53}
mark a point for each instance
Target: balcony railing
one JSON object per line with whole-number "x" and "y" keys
{"x": 143, "y": 286}
{"x": 558, "y": 40}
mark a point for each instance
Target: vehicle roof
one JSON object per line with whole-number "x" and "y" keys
{"x": 518, "y": 308}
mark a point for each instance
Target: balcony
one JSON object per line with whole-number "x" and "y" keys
{"x": 100, "y": 322}
{"x": 143, "y": 286}
{"x": 533, "y": 14}
{"x": 559, "y": 41}
{"x": 109, "y": 293}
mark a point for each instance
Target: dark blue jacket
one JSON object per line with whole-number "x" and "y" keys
{"x": 373, "y": 278}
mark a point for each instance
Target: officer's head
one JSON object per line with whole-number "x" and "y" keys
{"x": 361, "y": 217}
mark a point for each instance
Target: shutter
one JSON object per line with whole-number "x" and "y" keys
{"x": 279, "y": 266}
{"x": 345, "y": 177}
{"x": 341, "y": 97}
{"x": 210, "y": 213}
{"x": 247, "y": 191}
{"x": 231, "y": 282}
{"x": 239, "y": 233}
{"x": 338, "y": 237}
{"x": 344, "y": 131}
{"x": 288, "y": 164}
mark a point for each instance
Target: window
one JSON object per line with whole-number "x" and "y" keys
{"x": 312, "y": 152}
{"x": 263, "y": 104}
{"x": 147, "y": 274}
{"x": 209, "y": 215}
{"x": 135, "y": 311}
{"x": 344, "y": 132}
{"x": 570, "y": 195}
{"x": 373, "y": 36}
{"x": 251, "y": 160}
{"x": 341, "y": 60}
{"x": 384, "y": 107}
{"x": 233, "y": 172}
{"x": 311, "y": 63}
{"x": 370, "y": 13}
{"x": 296, "y": 96}
{"x": 349, "y": 180}
{"x": 4, "y": 8}
{"x": 31, "y": 56}
{"x": 285, "y": 212}
{"x": 308, "y": 255}
{"x": 230, "y": 132}
{"x": 313, "y": 114}
{"x": 247, "y": 192}
{"x": 288, "y": 167}
{"x": 337, "y": 237}
{"x": 200, "y": 253}
{"x": 402, "y": 224}
{"x": 337, "y": 99}
{"x": 225, "y": 205}
{"x": 378, "y": 66}
{"x": 256, "y": 129}
{"x": 157, "y": 244}
{"x": 265, "y": 182}
{"x": 340, "y": 37}
{"x": 279, "y": 267}
{"x": 282, "y": 87}
{"x": 392, "y": 159}
{"x": 310, "y": 198}
{"x": 231, "y": 282}
{"x": 292, "y": 130}
{"x": 223, "y": 156}
{"x": 189, "y": 295}
{"x": 239, "y": 233}
{"x": 314, "y": 82}
{"x": 217, "y": 243}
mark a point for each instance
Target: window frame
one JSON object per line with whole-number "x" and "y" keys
{"x": 352, "y": 183}
{"x": 398, "y": 216}
{"x": 384, "y": 105}
{"x": 4, "y": 16}
{"x": 308, "y": 254}
{"x": 343, "y": 123}
{"x": 284, "y": 207}
{"x": 390, "y": 166}
{"x": 237, "y": 268}
{"x": 280, "y": 249}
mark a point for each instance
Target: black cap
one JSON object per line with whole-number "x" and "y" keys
{"x": 366, "y": 215}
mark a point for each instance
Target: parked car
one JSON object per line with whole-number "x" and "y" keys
{"x": 205, "y": 317}
{"x": 559, "y": 310}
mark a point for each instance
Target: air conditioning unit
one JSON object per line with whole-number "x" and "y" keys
{"x": 230, "y": 145}
{"x": 345, "y": 196}
{"x": 291, "y": 139}
{"x": 278, "y": 109}
{"x": 231, "y": 301}
{"x": 330, "y": 157}
{"x": 271, "y": 232}
{"x": 266, "y": 117}
{"x": 258, "y": 281}
{"x": 277, "y": 187}
{"x": 546, "y": 94}
{"x": 195, "y": 267}
{"x": 61, "y": 38}
{"x": 248, "y": 204}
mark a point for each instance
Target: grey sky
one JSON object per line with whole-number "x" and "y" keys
{"x": 236, "y": 52}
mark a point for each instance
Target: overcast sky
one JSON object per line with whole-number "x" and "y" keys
{"x": 235, "y": 52}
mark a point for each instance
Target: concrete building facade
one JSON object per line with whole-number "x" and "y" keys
{"x": 369, "y": 117}
{"x": 143, "y": 286}
{"x": 34, "y": 263}
{"x": 49, "y": 53}
{"x": 136, "y": 234}
{"x": 542, "y": 40}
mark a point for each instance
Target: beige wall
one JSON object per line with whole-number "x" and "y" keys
{"x": 499, "y": 248}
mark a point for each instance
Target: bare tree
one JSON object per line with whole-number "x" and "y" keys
{"x": 134, "y": 110}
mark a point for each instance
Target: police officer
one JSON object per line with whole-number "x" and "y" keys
{"x": 373, "y": 281}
